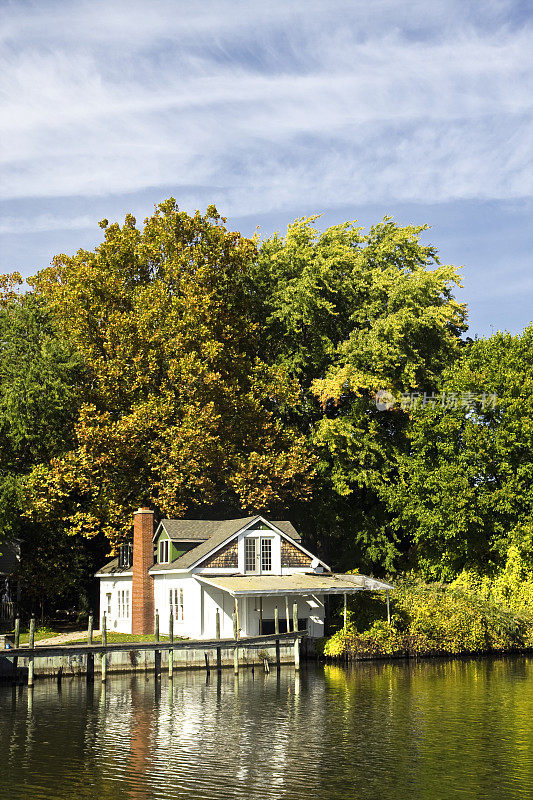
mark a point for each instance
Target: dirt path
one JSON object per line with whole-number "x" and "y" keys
{"x": 64, "y": 638}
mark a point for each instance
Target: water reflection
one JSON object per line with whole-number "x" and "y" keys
{"x": 434, "y": 730}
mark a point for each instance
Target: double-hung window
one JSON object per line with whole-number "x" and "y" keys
{"x": 176, "y": 604}
{"x": 164, "y": 551}
{"x": 124, "y": 603}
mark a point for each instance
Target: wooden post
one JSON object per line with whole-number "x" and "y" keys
{"x": 104, "y": 645}
{"x": 237, "y": 617}
{"x": 295, "y": 616}
{"x": 207, "y": 667}
{"x": 31, "y": 645}
{"x": 297, "y": 654}
{"x": 90, "y": 656}
{"x": 219, "y": 659}
{"x": 287, "y": 614}
{"x": 260, "y": 616}
{"x": 235, "y": 636}
{"x": 345, "y": 603}
{"x": 171, "y": 652}
{"x": 217, "y": 625}
{"x": 278, "y": 655}
{"x": 90, "y": 667}
{"x": 16, "y": 644}
{"x": 388, "y": 607}
{"x": 157, "y": 653}
{"x": 276, "y": 620}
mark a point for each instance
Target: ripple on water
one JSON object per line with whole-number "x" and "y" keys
{"x": 460, "y": 729}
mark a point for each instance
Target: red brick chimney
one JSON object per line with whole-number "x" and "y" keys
{"x": 142, "y": 589}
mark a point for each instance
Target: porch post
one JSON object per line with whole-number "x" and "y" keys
{"x": 260, "y": 616}
{"x": 388, "y": 607}
{"x": 345, "y": 609}
{"x": 237, "y": 616}
{"x": 287, "y": 614}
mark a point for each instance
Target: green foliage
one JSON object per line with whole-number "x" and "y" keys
{"x": 429, "y": 619}
{"x": 348, "y": 313}
{"x": 464, "y": 485}
{"x": 182, "y": 365}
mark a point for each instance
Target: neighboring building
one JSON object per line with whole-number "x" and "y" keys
{"x": 196, "y": 567}
{"x": 9, "y": 586}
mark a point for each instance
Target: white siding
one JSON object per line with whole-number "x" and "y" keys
{"x": 118, "y": 613}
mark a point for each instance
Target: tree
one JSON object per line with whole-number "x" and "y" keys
{"x": 42, "y": 381}
{"x": 465, "y": 482}
{"x": 181, "y": 411}
{"x": 347, "y": 314}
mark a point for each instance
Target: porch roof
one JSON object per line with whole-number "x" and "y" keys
{"x": 299, "y": 583}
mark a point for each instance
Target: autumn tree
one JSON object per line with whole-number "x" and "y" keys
{"x": 180, "y": 411}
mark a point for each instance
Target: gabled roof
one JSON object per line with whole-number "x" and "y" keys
{"x": 225, "y": 530}
{"x": 202, "y": 529}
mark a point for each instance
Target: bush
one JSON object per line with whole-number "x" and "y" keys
{"x": 430, "y": 619}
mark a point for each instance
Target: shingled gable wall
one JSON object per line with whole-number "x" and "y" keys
{"x": 292, "y": 556}
{"x": 142, "y": 589}
{"x": 228, "y": 556}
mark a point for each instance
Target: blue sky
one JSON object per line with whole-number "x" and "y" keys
{"x": 274, "y": 110}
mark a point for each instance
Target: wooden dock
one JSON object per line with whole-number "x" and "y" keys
{"x": 208, "y": 646}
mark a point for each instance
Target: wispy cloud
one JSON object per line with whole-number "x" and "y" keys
{"x": 262, "y": 106}
{"x": 44, "y": 222}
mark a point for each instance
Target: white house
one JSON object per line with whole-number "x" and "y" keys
{"x": 196, "y": 568}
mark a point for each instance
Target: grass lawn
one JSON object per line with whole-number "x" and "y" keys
{"x": 40, "y": 633}
{"x": 113, "y": 637}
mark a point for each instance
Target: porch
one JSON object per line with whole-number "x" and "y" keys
{"x": 268, "y": 604}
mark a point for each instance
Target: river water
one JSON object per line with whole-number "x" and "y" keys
{"x": 426, "y": 730}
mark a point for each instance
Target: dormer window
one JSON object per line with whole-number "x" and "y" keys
{"x": 164, "y": 551}
{"x": 257, "y": 554}
{"x": 125, "y": 555}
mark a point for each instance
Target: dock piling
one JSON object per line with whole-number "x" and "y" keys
{"x": 90, "y": 629}
{"x": 276, "y": 620}
{"x": 171, "y": 652}
{"x": 157, "y": 653}
{"x": 104, "y": 645}
{"x": 31, "y": 645}
{"x": 297, "y": 654}
{"x": 236, "y": 648}
{"x": 217, "y": 624}
{"x": 295, "y": 617}
{"x": 16, "y": 644}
